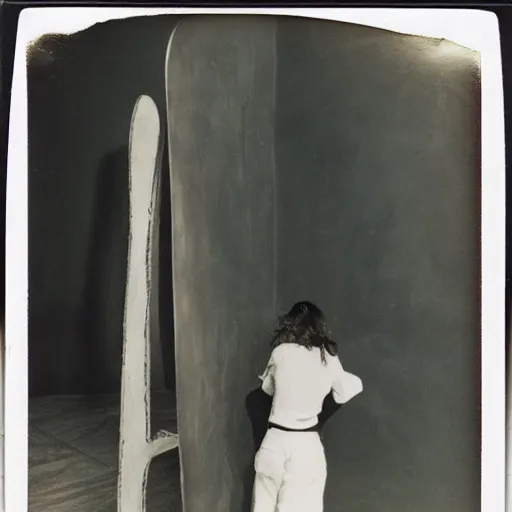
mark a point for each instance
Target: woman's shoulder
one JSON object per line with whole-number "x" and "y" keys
{"x": 283, "y": 347}
{"x": 286, "y": 348}
{"x": 332, "y": 359}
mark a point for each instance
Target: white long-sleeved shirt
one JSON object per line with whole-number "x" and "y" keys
{"x": 299, "y": 381}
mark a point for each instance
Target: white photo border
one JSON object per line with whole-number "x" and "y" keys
{"x": 475, "y": 29}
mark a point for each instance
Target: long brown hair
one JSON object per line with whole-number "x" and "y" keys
{"x": 304, "y": 325}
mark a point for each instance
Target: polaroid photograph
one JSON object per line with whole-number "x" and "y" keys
{"x": 255, "y": 261}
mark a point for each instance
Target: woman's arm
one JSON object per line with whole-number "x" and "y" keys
{"x": 345, "y": 385}
{"x": 258, "y": 406}
{"x": 267, "y": 378}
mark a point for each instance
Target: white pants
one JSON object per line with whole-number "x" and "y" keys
{"x": 291, "y": 471}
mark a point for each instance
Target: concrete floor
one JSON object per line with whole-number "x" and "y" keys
{"x": 73, "y": 455}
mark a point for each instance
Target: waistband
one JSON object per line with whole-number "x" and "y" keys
{"x": 314, "y": 428}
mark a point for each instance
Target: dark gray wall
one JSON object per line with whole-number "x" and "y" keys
{"x": 221, "y": 118}
{"x": 80, "y": 106}
{"x": 377, "y": 147}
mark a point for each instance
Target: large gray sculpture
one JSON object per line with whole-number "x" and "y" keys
{"x": 338, "y": 163}
{"x": 221, "y": 96}
{"x": 136, "y": 446}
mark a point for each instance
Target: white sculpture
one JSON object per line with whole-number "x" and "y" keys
{"x": 136, "y": 446}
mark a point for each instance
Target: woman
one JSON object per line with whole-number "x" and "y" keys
{"x": 303, "y": 369}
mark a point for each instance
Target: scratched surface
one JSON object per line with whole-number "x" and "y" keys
{"x": 73, "y": 454}
{"x": 376, "y": 200}
{"x": 221, "y": 94}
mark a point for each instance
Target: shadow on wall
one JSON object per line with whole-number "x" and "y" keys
{"x": 79, "y": 107}
{"x": 165, "y": 342}
{"x": 106, "y": 266}
{"x": 106, "y": 269}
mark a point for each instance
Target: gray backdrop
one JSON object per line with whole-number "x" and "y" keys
{"x": 377, "y": 151}
{"x": 80, "y": 106}
{"x": 340, "y": 164}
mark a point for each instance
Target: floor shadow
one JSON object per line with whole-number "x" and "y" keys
{"x": 164, "y": 483}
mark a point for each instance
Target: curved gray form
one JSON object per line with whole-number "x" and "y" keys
{"x": 220, "y": 85}
{"x": 323, "y": 161}
{"x": 136, "y": 447}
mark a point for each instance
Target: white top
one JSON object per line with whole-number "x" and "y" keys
{"x": 299, "y": 381}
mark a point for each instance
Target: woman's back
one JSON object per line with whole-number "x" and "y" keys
{"x": 302, "y": 370}
{"x": 301, "y": 381}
